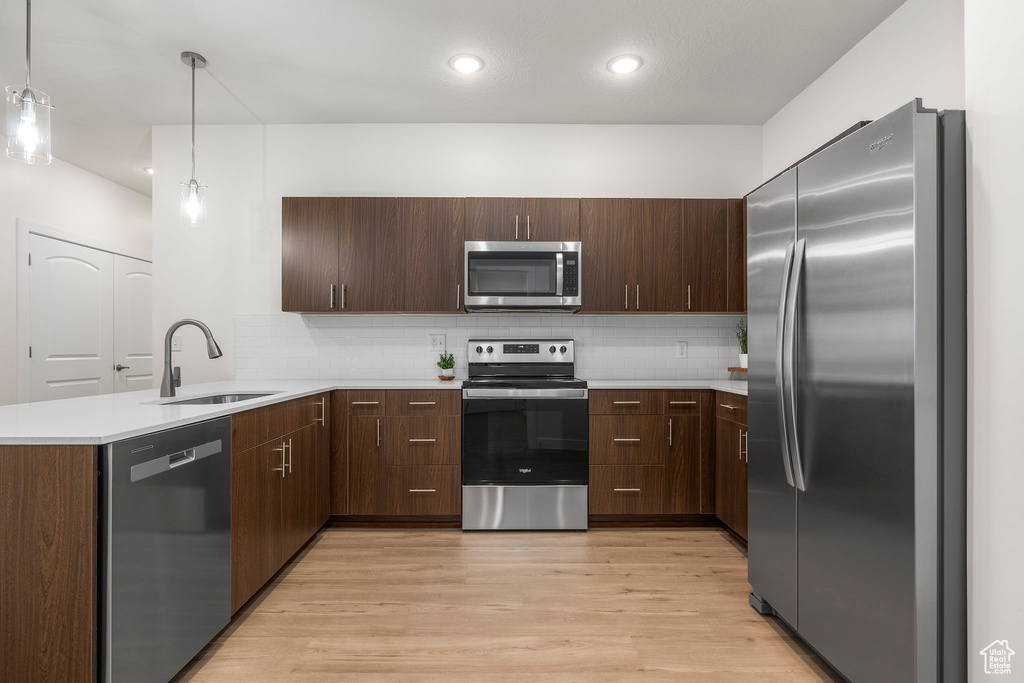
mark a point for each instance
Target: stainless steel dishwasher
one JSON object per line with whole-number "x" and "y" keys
{"x": 166, "y": 549}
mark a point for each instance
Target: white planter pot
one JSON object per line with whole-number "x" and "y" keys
{"x": 743, "y": 360}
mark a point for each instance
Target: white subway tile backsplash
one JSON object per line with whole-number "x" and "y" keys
{"x": 286, "y": 346}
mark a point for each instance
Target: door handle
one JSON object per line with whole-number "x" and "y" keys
{"x": 332, "y": 297}
{"x": 422, "y": 440}
{"x": 627, "y": 490}
{"x": 289, "y": 456}
{"x": 627, "y": 297}
{"x": 120, "y": 367}
{"x": 741, "y": 444}
{"x": 682, "y": 403}
{"x": 422, "y": 490}
{"x": 378, "y": 432}
{"x": 365, "y": 403}
{"x": 527, "y": 226}
{"x": 638, "y": 297}
{"x": 517, "y": 226}
{"x": 780, "y": 364}
{"x": 342, "y": 296}
{"x": 727, "y": 406}
{"x": 458, "y": 296}
{"x": 626, "y": 403}
{"x": 687, "y": 297}
{"x": 789, "y": 344}
{"x": 323, "y": 411}
{"x": 284, "y": 450}
{"x": 670, "y": 431}
{"x": 423, "y": 403}
{"x": 625, "y": 439}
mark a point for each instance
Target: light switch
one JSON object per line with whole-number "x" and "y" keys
{"x": 680, "y": 349}
{"x": 175, "y": 342}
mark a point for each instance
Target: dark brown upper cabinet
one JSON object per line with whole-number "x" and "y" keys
{"x": 309, "y": 254}
{"x": 704, "y": 255}
{"x": 366, "y": 225}
{"x": 428, "y": 252}
{"x": 657, "y": 287}
{"x": 509, "y": 219}
{"x": 736, "y": 247}
{"x": 608, "y": 244}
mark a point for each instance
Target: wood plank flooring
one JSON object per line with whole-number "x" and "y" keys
{"x": 440, "y": 605}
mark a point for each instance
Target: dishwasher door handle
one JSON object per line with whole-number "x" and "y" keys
{"x": 164, "y": 463}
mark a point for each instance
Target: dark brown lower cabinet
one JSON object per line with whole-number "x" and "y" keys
{"x": 424, "y": 490}
{"x": 300, "y": 516}
{"x": 683, "y": 454}
{"x": 731, "y": 475}
{"x": 625, "y": 489}
{"x": 366, "y": 466}
{"x": 256, "y": 527}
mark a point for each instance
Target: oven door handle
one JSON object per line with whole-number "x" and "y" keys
{"x": 524, "y": 393}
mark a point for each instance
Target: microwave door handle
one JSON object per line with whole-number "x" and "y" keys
{"x": 559, "y": 271}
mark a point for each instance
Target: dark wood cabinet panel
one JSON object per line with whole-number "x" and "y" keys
{"x": 625, "y": 490}
{"x": 707, "y": 452}
{"x": 683, "y": 464}
{"x": 625, "y": 402}
{"x": 339, "y": 453}
{"x": 256, "y": 528}
{"x": 259, "y": 425}
{"x": 415, "y": 440}
{"x": 552, "y": 219}
{"x": 731, "y": 407}
{"x": 736, "y": 248}
{"x": 299, "y": 514}
{"x": 365, "y": 402}
{"x": 48, "y": 570}
{"x": 324, "y": 445}
{"x": 704, "y": 255}
{"x": 366, "y": 465}
{"x": 627, "y": 439}
{"x": 424, "y": 402}
{"x": 309, "y": 253}
{"x": 655, "y": 280}
{"x": 495, "y": 218}
{"x": 431, "y": 254}
{"x": 366, "y": 225}
{"x": 731, "y": 475}
{"x": 424, "y": 491}
{"x": 608, "y": 245}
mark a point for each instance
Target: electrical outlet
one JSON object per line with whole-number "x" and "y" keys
{"x": 437, "y": 342}
{"x": 176, "y": 342}
{"x": 680, "y": 349}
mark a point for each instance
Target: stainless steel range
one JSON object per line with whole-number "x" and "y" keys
{"x": 524, "y": 437}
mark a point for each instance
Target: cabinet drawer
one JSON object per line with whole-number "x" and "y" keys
{"x": 423, "y": 491}
{"x": 682, "y": 402}
{"x": 423, "y": 402}
{"x": 365, "y": 402}
{"x": 617, "y": 490}
{"x": 731, "y": 407}
{"x": 254, "y": 427}
{"x": 628, "y": 439}
{"x": 625, "y": 402}
{"x": 421, "y": 440}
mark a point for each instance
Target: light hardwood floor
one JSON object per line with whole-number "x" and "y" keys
{"x": 440, "y": 605}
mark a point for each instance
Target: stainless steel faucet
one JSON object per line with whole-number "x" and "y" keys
{"x": 171, "y": 378}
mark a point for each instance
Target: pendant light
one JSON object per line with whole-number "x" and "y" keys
{"x": 28, "y": 112}
{"x": 193, "y": 195}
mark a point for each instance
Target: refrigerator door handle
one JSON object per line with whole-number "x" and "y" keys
{"x": 780, "y": 365}
{"x": 789, "y": 351}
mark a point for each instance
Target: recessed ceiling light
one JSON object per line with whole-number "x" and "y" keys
{"x": 466, "y": 64}
{"x": 148, "y": 169}
{"x": 625, "y": 64}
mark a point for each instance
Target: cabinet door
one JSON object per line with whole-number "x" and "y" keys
{"x": 365, "y": 225}
{"x": 627, "y": 440}
{"x": 423, "y": 491}
{"x": 704, "y": 255}
{"x": 736, "y": 246}
{"x": 299, "y": 516}
{"x": 625, "y": 490}
{"x": 682, "y": 462}
{"x": 655, "y": 282}
{"x": 741, "y": 486}
{"x": 324, "y": 445}
{"x": 366, "y": 465}
{"x": 309, "y": 254}
{"x": 551, "y": 220}
{"x": 608, "y": 245}
{"x": 728, "y": 444}
{"x": 495, "y": 218}
{"x": 339, "y": 453}
{"x": 433, "y": 231}
{"x": 256, "y": 477}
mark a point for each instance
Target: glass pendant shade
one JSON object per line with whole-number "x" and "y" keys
{"x": 28, "y": 125}
{"x": 193, "y": 204}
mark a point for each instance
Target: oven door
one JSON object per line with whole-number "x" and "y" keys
{"x": 522, "y": 275}
{"x": 519, "y": 437}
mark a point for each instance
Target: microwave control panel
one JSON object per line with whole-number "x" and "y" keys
{"x": 571, "y": 274}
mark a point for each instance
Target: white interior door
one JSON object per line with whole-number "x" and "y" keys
{"x": 72, "y": 326}
{"x": 133, "y": 324}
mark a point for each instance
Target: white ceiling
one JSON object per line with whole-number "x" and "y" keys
{"x": 112, "y": 66}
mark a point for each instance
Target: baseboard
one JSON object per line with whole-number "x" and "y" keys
{"x": 394, "y": 522}
{"x": 695, "y": 520}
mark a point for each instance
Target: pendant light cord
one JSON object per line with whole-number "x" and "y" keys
{"x": 28, "y": 43}
{"x": 193, "y": 117}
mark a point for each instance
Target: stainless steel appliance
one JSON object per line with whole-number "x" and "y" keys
{"x": 524, "y": 437}
{"x": 523, "y": 276}
{"x": 165, "y": 585}
{"x": 857, "y": 399}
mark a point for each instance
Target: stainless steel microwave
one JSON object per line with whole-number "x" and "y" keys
{"x": 523, "y": 276}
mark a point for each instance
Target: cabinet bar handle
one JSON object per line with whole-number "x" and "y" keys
{"x": 378, "y": 431}
{"x": 289, "y": 456}
{"x": 627, "y": 490}
{"x": 422, "y": 490}
{"x": 745, "y": 437}
{"x": 625, "y": 439}
{"x": 458, "y": 295}
{"x": 527, "y": 226}
{"x": 741, "y": 444}
{"x": 687, "y": 297}
{"x": 727, "y": 406}
{"x": 682, "y": 403}
{"x": 670, "y": 431}
{"x": 323, "y": 411}
{"x": 422, "y": 440}
{"x": 343, "y": 295}
{"x": 283, "y": 449}
{"x": 638, "y": 297}
{"x": 517, "y": 226}
{"x": 626, "y": 403}
{"x": 627, "y": 297}
{"x": 423, "y": 403}
{"x": 365, "y": 403}
{"x": 332, "y": 297}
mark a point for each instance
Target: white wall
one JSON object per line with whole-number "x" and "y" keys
{"x": 68, "y": 198}
{"x": 917, "y": 52}
{"x": 995, "y": 123}
{"x": 234, "y": 264}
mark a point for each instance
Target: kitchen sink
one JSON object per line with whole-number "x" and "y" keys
{"x": 216, "y": 399}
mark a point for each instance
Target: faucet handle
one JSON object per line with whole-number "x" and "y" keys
{"x": 176, "y": 373}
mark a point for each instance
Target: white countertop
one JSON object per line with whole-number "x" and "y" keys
{"x": 113, "y": 417}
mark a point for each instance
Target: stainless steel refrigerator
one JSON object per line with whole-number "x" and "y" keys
{"x": 857, "y": 399}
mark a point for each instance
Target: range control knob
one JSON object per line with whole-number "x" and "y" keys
{"x": 552, "y": 349}
{"x": 563, "y": 349}
{"x": 490, "y": 349}
{"x": 479, "y": 349}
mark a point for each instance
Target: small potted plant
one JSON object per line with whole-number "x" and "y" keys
{"x": 447, "y": 365}
{"x": 741, "y": 336}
